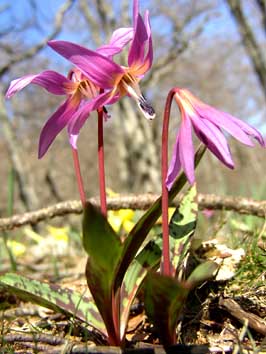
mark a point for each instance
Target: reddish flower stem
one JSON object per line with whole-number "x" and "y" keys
{"x": 101, "y": 162}
{"x": 166, "y": 264}
{"x": 78, "y": 176}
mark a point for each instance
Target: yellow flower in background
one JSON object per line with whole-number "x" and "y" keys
{"x": 59, "y": 233}
{"x": 120, "y": 219}
{"x": 17, "y": 248}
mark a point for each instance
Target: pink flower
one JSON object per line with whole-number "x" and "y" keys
{"x": 208, "y": 124}
{"x": 79, "y": 90}
{"x": 116, "y": 80}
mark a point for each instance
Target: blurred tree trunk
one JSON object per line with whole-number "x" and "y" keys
{"x": 25, "y": 180}
{"x": 138, "y": 155}
{"x": 248, "y": 35}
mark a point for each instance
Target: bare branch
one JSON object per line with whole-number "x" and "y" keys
{"x": 35, "y": 49}
{"x": 91, "y": 21}
{"x": 135, "y": 202}
{"x": 262, "y": 7}
{"x": 249, "y": 41}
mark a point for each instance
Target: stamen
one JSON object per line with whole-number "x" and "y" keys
{"x": 146, "y": 108}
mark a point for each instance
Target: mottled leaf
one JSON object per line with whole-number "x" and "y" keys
{"x": 140, "y": 231}
{"x": 202, "y": 272}
{"x": 54, "y": 297}
{"x": 148, "y": 258}
{"x": 181, "y": 229}
{"x": 164, "y": 299}
{"x": 104, "y": 248}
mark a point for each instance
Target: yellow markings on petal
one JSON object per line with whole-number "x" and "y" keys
{"x": 183, "y": 99}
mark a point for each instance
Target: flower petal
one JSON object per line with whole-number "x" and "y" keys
{"x": 174, "y": 166}
{"x": 186, "y": 149}
{"x": 50, "y": 80}
{"x": 81, "y": 115}
{"x": 214, "y": 139}
{"x": 135, "y": 12}
{"x": 249, "y": 130}
{"x": 55, "y": 124}
{"x": 118, "y": 41}
{"x": 99, "y": 69}
{"x": 224, "y": 121}
{"x": 137, "y": 48}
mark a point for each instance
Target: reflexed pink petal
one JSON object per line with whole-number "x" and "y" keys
{"x": 135, "y": 12}
{"x": 174, "y": 166}
{"x": 249, "y": 130}
{"x": 137, "y": 48}
{"x": 214, "y": 139}
{"x": 224, "y": 121}
{"x": 186, "y": 149}
{"x": 99, "y": 69}
{"x": 74, "y": 128}
{"x": 54, "y": 125}
{"x": 50, "y": 80}
{"x": 121, "y": 36}
{"x": 149, "y": 55}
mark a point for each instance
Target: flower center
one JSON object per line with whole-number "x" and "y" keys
{"x": 80, "y": 85}
{"x": 129, "y": 84}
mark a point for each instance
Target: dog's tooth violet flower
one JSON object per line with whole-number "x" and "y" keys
{"x": 116, "y": 80}
{"x": 78, "y": 90}
{"x": 207, "y": 123}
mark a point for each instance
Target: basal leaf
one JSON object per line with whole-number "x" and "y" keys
{"x": 140, "y": 231}
{"x": 54, "y": 297}
{"x": 181, "y": 229}
{"x": 148, "y": 258}
{"x": 104, "y": 248}
{"x": 202, "y": 272}
{"x": 164, "y": 299}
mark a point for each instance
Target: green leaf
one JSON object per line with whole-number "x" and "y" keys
{"x": 54, "y": 297}
{"x": 104, "y": 248}
{"x": 148, "y": 258}
{"x": 181, "y": 230}
{"x": 202, "y": 272}
{"x": 140, "y": 231}
{"x": 164, "y": 300}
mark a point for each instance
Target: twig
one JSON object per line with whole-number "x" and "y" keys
{"x": 254, "y": 321}
{"x": 135, "y": 202}
{"x": 35, "y": 49}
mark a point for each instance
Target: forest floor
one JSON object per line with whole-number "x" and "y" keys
{"x": 224, "y": 315}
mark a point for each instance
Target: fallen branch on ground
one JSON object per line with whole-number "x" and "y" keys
{"x": 140, "y": 202}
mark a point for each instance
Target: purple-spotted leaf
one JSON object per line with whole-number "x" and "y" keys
{"x": 164, "y": 299}
{"x": 203, "y": 272}
{"x": 140, "y": 231}
{"x": 181, "y": 230}
{"x": 148, "y": 258}
{"x": 66, "y": 301}
{"x": 104, "y": 249}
